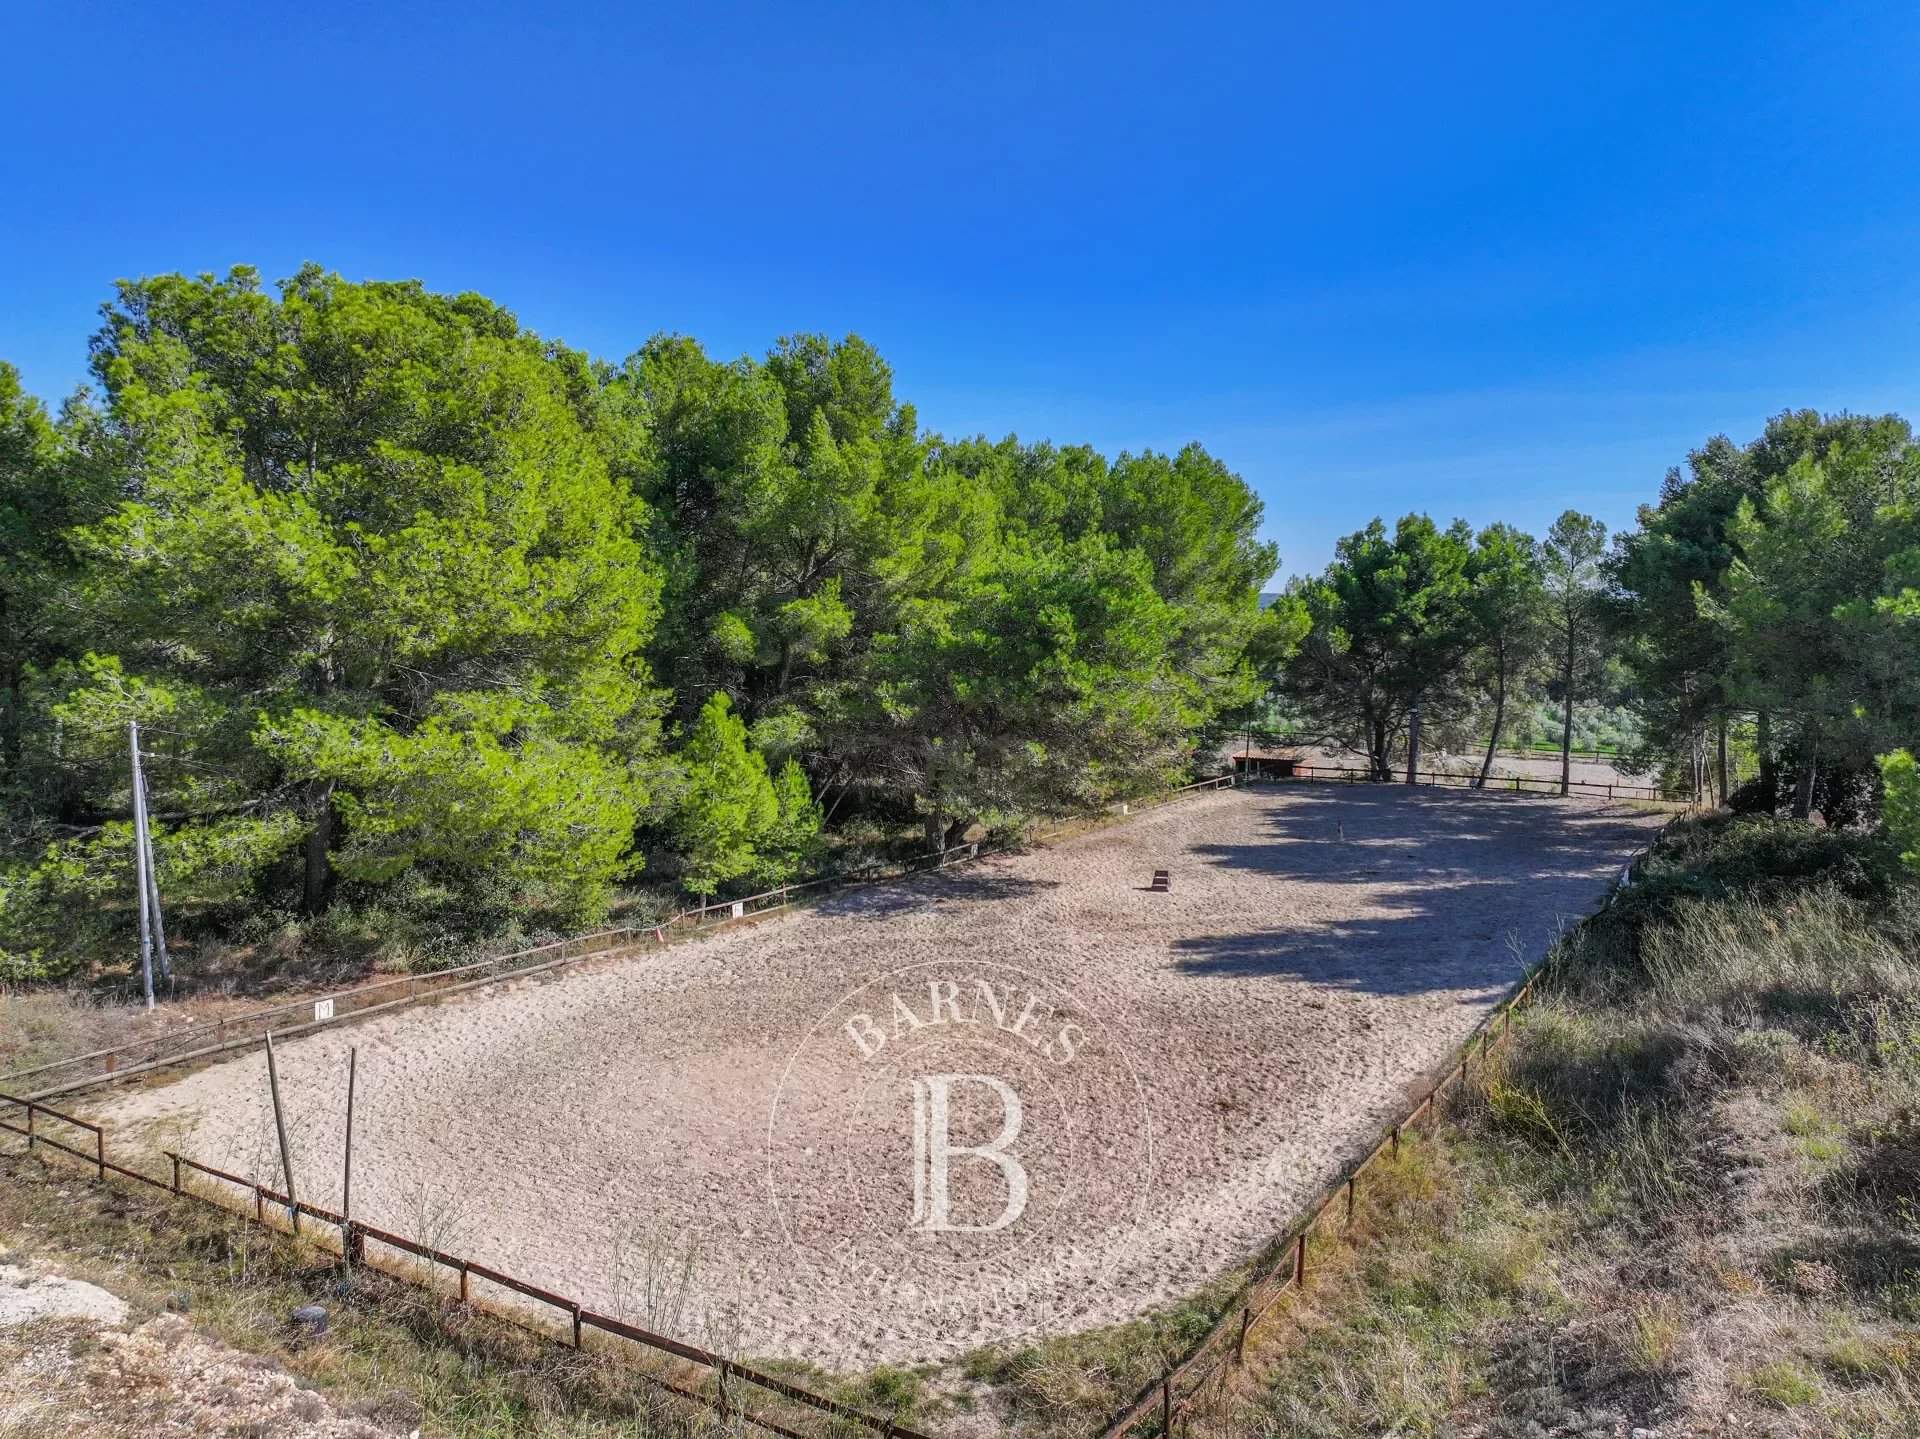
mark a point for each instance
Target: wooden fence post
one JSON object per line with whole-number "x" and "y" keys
{"x": 280, "y": 1126}
{"x": 1300, "y": 1260}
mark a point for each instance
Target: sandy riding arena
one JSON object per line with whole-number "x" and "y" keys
{"x": 1019, "y": 1097}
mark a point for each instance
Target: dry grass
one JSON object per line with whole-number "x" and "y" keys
{"x": 401, "y": 1355}
{"x": 1684, "y": 1201}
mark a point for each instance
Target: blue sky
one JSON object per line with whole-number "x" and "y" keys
{"x": 1478, "y": 261}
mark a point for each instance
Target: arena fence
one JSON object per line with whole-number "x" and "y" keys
{"x": 1171, "y": 1398}
{"x": 710, "y": 1379}
{"x": 284, "y": 1021}
{"x": 1549, "y": 751}
{"x": 1516, "y": 784}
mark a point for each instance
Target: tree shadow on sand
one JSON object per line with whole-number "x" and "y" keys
{"x": 1465, "y": 888}
{"x": 954, "y": 886}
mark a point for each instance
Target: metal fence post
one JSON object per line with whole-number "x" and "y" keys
{"x": 176, "y": 1172}
{"x": 30, "y": 1139}
{"x": 1300, "y": 1260}
{"x": 100, "y": 1151}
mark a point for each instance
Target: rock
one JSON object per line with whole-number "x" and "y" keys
{"x": 25, "y": 1299}
{"x": 179, "y": 1302}
{"x": 311, "y": 1318}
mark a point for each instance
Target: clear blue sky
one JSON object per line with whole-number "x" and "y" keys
{"x": 1481, "y": 262}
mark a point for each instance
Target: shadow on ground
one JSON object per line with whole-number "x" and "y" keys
{"x": 954, "y": 886}
{"x": 1466, "y": 888}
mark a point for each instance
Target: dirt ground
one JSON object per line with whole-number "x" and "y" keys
{"x": 738, "y": 1139}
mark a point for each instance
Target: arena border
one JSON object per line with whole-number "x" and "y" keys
{"x": 1275, "y": 770}
{"x": 1224, "y": 1345}
{"x": 350, "y": 1247}
{"x": 1206, "y": 1361}
{"x": 223, "y": 1036}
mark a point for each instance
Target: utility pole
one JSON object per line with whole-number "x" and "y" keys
{"x": 143, "y": 836}
{"x": 140, "y": 866}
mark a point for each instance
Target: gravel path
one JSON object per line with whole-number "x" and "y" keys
{"x": 1187, "y": 1067}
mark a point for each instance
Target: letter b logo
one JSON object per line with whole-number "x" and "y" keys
{"x": 933, "y": 1151}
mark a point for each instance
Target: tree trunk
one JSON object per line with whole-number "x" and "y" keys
{"x": 10, "y": 729}
{"x": 1413, "y": 745}
{"x": 1493, "y": 740}
{"x": 1377, "y": 760}
{"x": 1769, "y": 767}
{"x": 319, "y": 847}
{"x": 1803, "y": 782}
{"x": 1566, "y": 734}
{"x": 1722, "y": 756}
{"x": 936, "y": 822}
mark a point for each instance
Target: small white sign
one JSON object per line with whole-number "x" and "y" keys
{"x": 322, "y": 1009}
{"x": 739, "y": 908}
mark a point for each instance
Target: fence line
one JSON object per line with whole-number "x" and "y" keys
{"x": 1272, "y": 769}
{"x": 263, "y": 1203}
{"x": 243, "y": 1031}
{"x": 1296, "y": 740}
{"x": 1204, "y": 1361}
{"x": 1175, "y": 1392}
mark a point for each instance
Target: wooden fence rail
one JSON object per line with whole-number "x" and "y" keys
{"x": 1445, "y": 779}
{"x": 1587, "y": 755}
{"x": 260, "y": 1203}
{"x": 204, "y": 1041}
{"x": 1171, "y": 1397}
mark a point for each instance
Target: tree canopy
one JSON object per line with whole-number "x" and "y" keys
{"x": 441, "y": 626}
{"x": 429, "y": 612}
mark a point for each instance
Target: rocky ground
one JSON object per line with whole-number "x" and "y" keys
{"x": 76, "y": 1361}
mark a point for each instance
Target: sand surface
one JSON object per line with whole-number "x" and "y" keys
{"x": 1187, "y": 1067}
